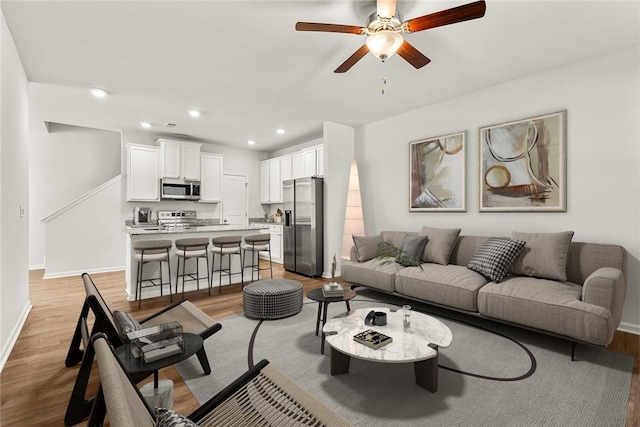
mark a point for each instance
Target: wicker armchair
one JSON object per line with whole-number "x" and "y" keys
{"x": 192, "y": 319}
{"x": 262, "y": 396}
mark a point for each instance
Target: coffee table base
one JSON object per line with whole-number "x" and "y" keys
{"x": 426, "y": 371}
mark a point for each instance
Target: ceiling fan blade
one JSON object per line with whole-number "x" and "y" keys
{"x": 350, "y": 62}
{"x": 328, "y": 28}
{"x": 386, "y": 8}
{"x": 412, "y": 55}
{"x": 445, "y": 17}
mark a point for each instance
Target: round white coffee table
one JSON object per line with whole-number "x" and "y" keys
{"x": 418, "y": 344}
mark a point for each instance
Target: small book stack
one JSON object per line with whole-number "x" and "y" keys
{"x": 157, "y": 342}
{"x": 372, "y": 339}
{"x": 332, "y": 290}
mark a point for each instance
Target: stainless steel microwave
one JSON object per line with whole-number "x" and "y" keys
{"x": 179, "y": 189}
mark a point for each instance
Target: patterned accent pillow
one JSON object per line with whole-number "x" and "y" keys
{"x": 169, "y": 418}
{"x": 494, "y": 258}
{"x": 125, "y": 323}
{"x": 411, "y": 250}
{"x": 366, "y": 246}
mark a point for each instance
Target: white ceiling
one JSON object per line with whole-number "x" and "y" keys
{"x": 245, "y": 67}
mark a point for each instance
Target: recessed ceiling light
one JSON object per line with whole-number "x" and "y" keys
{"x": 251, "y": 142}
{"x": 194, "y": 113}
{"x": 280, "y": 131}
{"x": 145, "y": 125}
{"x": 98, "y": 93}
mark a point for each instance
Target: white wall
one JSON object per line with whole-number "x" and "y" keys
{"x": 14, "y": 192}
{"x": 600, "y": 95}
{"x": 339, "y": 144}
{"x": 87, "y": 237}
{"x": 65, "y": 163}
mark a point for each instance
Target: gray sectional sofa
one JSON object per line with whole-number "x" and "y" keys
{"x": 568, "y": 289}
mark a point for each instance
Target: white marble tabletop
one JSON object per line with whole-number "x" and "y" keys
{"x": 409, "y": 345}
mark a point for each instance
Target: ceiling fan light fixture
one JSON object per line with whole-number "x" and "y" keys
{"x": 384, "y": 43}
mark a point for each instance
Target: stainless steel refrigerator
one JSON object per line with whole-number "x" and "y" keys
{"x": 303, "y": 229}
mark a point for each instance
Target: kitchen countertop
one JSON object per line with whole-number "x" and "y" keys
{"x": 150, "y": 230}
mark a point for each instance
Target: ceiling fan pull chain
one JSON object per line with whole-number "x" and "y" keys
{"x": 384, "y": 83}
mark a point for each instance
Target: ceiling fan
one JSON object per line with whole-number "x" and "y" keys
{"x": 385, "y": 25}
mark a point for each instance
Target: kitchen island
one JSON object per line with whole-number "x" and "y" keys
{"x": 153, "y": 232}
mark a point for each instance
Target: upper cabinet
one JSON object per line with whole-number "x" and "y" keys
{"x": 297, "y": 165}
{"x": 308, "y": 162}
{"x": 143, "y": 173}
{"x": 270, "y": 181}
{"x": 286, "y": 165}
{"x": 320, "y": 161}
{"x": 210, "y": 178}
{"x": 179, "y": 159}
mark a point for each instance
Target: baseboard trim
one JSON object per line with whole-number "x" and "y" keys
{"x": 15, "y": 333}
{"x": 36, "y": 267}
{"x": 629, "y": 327}
{"x": 79, "y": 272}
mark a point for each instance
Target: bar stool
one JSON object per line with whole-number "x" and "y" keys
{"x": 225, "y": 245}
{"x": 147, "y": 251}
{"x": 256, "y": 243}
{"x": 188, "y": 248}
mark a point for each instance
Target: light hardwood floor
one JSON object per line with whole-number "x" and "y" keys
{"x": 35, "y": 385}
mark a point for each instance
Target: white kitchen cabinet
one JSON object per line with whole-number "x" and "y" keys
{"x": 143, "y": 178}
{"x": 320, "y": 161}
{"x": 211, "y": 178}
{"x": 276, "y": 244}
{"x": 297, "y": 165}
{"x": 309, "y": 162}
{"x": 275, "y": 181}
{"x": 286, "y": 167}
{"x": 270, "y": 181}
{"x": 264, "y": 181}
{"x": 179, "y": 159}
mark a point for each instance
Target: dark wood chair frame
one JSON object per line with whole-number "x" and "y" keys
{"x": 80, "y": 350}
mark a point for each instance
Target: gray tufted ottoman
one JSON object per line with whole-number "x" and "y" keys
{"x": 272, "y": 299}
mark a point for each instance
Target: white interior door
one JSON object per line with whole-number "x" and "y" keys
{"x": 235, "y": 199}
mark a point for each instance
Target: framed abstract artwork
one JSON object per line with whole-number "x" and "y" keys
{"x": 437, "y": 174}
{"x": 523, "y": 165}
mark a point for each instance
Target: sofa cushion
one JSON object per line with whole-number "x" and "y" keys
{"x": 396, "y": 237}
{"x": 378, "y": 273}
{"x": 366, "y": 246}
{"x": 549, "y": 305}
{"x": 411, "y": 250}
{"x": 495, "y": 257}
{"x": 440, "y": 244}
{"x": 451, "y": 285}
{"x": 544, "y": 255}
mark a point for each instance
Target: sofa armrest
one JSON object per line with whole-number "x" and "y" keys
{"x": 606, "y": 287}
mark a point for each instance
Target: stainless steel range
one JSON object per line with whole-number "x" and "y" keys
{"x": 169, "y": 220}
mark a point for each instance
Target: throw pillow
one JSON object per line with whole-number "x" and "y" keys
{"x": 411, "y": 250}
{"x": 544, "y": 255}
{"x": 169, "y": 418}
{"x": 366, "y": 246}
{"x": 125, "y": 323}
{"x": 494, "y": 258}
{"x": 441, "y": 243}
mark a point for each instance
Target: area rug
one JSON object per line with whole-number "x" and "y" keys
{"x": 491, "y": 375}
